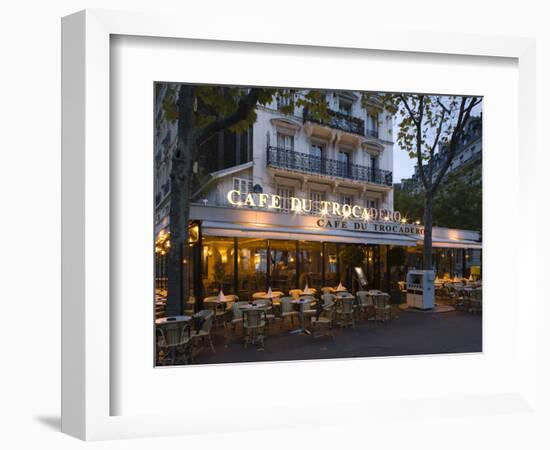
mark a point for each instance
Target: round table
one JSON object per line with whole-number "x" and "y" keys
{"x": 302, "y": 302}
{"x": 253, "y": 307}
{"x": 272, "y": 298}
{"x": 173, "y": 319}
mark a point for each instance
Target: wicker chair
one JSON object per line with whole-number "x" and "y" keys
{"x": 269, "y": 316}
{"x": 237, "y": 314}
{"x": 364, "y": 303}
{"x": 321, "y": 324}
{"x": 254, "y": 326}
{"x": 217, "y": 308}
{"x": 203, "y": 333}
{"x": 287, "y": 310}
{"x": 328, "y": 298}
{"x": 345, "y": 311}
{"x": 382, "y": 308}
{"x": 309, "y": 308}
{"x": 174, "y": 336}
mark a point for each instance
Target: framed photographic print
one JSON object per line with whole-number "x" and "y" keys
{"x": 250, "y": 220}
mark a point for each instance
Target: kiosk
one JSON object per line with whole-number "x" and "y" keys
{"x": 420, "y": 289}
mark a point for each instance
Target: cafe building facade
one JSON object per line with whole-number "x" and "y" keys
{"x": 278, "y": 205}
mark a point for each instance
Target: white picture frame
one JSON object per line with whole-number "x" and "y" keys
{"x": 87, "y": 383}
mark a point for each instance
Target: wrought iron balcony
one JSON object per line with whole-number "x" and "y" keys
{"x": 339, "y": 121}
{"x": 302, "y": 162}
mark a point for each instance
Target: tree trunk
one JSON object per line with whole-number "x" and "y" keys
{"x": 428, "y": 203}
{"x": 180, "y": 200}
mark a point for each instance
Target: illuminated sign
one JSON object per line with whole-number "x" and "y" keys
{"x": 307, "y": 206}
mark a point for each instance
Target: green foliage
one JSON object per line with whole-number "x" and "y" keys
{"x": 457, "y": 203}
{"x": 219, "y": 272}
{"x": 216, "y": 102}
{"x": 410, "y": 205}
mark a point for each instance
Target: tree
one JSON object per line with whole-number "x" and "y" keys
{"x": 457, "y": 203}
{"x": 410, "y": 204}
{"x": 425, "y": 122}
{"x": 202, "y": 111}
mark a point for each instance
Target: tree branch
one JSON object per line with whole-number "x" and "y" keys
{"x": 436, "y": 139}
{"x": 404, "y": 100}
{"x": 427, "y": 185}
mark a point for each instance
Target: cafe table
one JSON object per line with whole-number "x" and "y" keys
{"x": 172, "y": 319}
{"x": 302, "y": 302}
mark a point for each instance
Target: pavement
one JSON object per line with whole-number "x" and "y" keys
{"x": 408, "y": 333}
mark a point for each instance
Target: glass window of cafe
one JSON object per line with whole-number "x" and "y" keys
{"x": 283, "y": 265}
{"x": 244, "y": 266}
{"x": 311, "y": 265}
{"x": 252, "y": 266}
{"x": 218, "y": 266}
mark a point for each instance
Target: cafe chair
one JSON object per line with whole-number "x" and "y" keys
{"x": 345, "y": 311}
{"x": 236, "y": 314}
{"x": 254, "y": 326}
{"x": 327, "y": 299}
{"x": 204, "y": 318}
{"x": 309, "y": 308}
{"x": 173, "y": 338}
{"x": 364, "y": 304}
{"x": 217, "y": 308}
{"x": 287, "y": 310}
{"x": 382, "y": 308}
{"x": 266, "y": 303}
{"x": 321, "y": 322}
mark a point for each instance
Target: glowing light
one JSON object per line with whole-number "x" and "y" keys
{"x": 403, "y": 220}
{"x": 417, "y": 222}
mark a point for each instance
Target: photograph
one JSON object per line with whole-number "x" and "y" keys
{"x": 300, "y": 224}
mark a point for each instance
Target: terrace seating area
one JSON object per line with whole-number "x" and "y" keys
{"x": 462, "y": 294}
{"x": 267, "y": 314}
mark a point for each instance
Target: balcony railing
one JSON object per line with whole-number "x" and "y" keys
{"x": 302, "y": 162}
{"x": 339, "y": 121}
